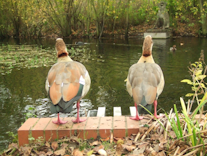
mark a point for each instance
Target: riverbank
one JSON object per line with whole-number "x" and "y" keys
{"x": 180, "y": 30}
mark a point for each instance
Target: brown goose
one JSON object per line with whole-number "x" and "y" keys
{"x": 67, "y": 81}
{"x": 145, "y": 80}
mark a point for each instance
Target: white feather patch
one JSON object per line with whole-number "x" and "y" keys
{"x": 82, "y": 80}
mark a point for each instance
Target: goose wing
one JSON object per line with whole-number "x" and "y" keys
{"x": 145, "y": 79}
{"x": 64, "y": 80}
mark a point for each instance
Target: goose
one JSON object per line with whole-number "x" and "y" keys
{"x": 173, "y": 48}
{"x": 67, "y": 81}
{"x": 145, "y": 80}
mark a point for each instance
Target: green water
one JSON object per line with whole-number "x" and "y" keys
{"x": 108, "y": 66}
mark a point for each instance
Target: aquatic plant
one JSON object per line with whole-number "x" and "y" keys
{"x": 30, "y": 56}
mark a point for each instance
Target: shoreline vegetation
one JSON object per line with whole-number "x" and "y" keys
{"x": 176, "y": 134}
{"x": 98, "y": 18}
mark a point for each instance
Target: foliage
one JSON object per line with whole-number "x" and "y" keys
{"x": 30, "y": 113}
{"x": 198, "y": 74}
{"x": 35, "y": 18}
{"x": 198, "y": 86}
{"x": 14, "y": 136}
{"x": 192, "y": 129}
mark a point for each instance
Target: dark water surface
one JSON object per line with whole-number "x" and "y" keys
{"x": 24, "y": 87}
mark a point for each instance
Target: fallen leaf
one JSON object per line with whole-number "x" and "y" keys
{"x": 54, "y": 145}
{"x": 74, "y": 139}
{"x": 47, "y": 144}
{"x": 43, "y": 148}
{"x": 90, "y": 153}
{"x": 105, "y": 139}
{"x": 60, "y": 152}
{"x": 130, "y": 148}
{"x": 143, "y": 145}
{"x": 116, "y": 139}
{"x": 102, "y": 152}
{"x": 129, "y": 142}
{"x": 154, "y": 136}
{"x": 76, "y": 152}
{"x": 172, "y": 134}
{"x": 96, "y": 149}
{"x": 13, "y": 145}
{"x": 63, "y": 146}
{"x": 138, "y": 151}
{"x": 41, "y": 153}
{"x": 95, "y": 143}
{"x": 161, "y": 153}
{"x": 142, "y": 130}
{"x": 26, "y": 150}
{"x": 153, "y": 153}
{"x": 119, "y": 149}
{"x": 162, "y": 140}
{"x": 49, "y": 153}
{"x": 156, "y": 147}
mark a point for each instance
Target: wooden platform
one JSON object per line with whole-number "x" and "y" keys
{"x": 93, "y": 127}
{"x": 158, "y": 33}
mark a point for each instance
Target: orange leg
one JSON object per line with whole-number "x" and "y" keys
{"x": 155, "y": 110}
{"x": 78, "y": 118}
{"x": 137, "y": 117}
{"x": 59, "y": 121}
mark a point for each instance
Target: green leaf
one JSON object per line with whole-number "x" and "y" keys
{"x": 194, "y": 88}
{"x": 198, "y": 72}
{"x": 178, "y": 121}
{"x": 175, "y": 128}
{"x": 189, "y": 94}
{"x": 200, "y": 77}
{"x": 193, "y": 64}
{"x": 31, "y": 138}
{"x": 187, "y": 120}
{"x": 187, "y": 81}
{"x": 202, "y": 85}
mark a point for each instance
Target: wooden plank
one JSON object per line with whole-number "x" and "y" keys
{"x": 117, "y": 111}
{"x": 132, "y": 110}
{"x": 101, "y": 111}
{"x": 92, "y": 113}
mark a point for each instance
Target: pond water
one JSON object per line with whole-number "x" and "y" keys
{"x": 22, "y": 88}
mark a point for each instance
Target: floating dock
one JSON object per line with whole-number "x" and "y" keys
{"x": 158, "y": 33}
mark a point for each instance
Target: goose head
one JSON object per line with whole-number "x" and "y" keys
{"x": 147, "y": 46}
{"x": 60, "y": 48}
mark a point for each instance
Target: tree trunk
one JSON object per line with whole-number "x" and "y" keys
{"x": 127, "y": 20}
{"x": 88, "y": 18}
{"x": 203, "y": 18}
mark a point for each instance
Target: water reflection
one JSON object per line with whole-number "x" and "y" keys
{"x": 108, "y": 68}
